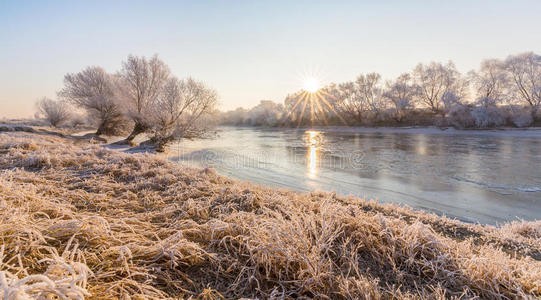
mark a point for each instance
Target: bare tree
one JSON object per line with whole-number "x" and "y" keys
{"x": 436, "y": 80}
{"x": 347, "y": 101}
{"x": 295, "y": 106}
{"x": 95, "y": 91}
{"x": 401, "y": 93}
{"x": 331, "y": 99}
{"x": 525, "y": 73}
{"x": 370, "y": 90}
{"x": 177, "y": 111}
{"x": 490, "y": 82}
{"x": 55, "y": 112}
{"x": 143, "y": 80}
{"x": 361, "y": 99}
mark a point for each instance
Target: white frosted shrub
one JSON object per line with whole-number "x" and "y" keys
{"x": 490, "y": 116}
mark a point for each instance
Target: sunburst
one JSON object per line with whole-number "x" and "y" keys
{"x": 312, "y": 99}
{"x": 311, "y": 84}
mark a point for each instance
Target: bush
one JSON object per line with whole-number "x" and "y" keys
{"x": 519, "y": 116}
{"x": 487, "y": 116}
{"x": 460, "y": 116}
{"x": 54, "y": 112}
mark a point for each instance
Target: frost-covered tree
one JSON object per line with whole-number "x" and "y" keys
{"x": 54, "y": 112}
{"x": 348, "y": 103}
{"x": 524, "y": 71}
{"x": 490, "y": 82}
{"x": 267, "y": 113}
{"x": 434, "y": 93}
{"x": 302, "y": 108}
{"x": 95, "y": 91}
{"x": 330, "y": 103}
{"x": 449, "y": 100}
{"x": 490, "y": 85}
{"x": 401, "y": 93}
{"x": 436, "y": 80}
{"x": 178, "y": 109}
{"x": 142, "y": 81}
{"x": 361, "y": 99}
{"x": 234, "y": 117}
{"x": 370, "y": 90}
{"x": 295, "y": 107}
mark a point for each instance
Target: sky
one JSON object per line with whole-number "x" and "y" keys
{"x": 251, "y": 50}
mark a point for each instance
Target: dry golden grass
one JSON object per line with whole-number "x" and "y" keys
{"x": 87, "y": 222}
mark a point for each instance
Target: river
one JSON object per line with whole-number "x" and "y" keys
{"x": 476, "y": 176}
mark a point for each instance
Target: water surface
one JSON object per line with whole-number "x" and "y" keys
{"x": 482, "y": 178}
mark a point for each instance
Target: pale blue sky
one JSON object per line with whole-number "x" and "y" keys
{"x": 251, "y": 50}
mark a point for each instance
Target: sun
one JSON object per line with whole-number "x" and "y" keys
{"x": 311, "y": 84}
{"x": 311, "y": 103}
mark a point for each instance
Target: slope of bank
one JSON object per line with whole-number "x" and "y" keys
{"x": 89, "y": 222}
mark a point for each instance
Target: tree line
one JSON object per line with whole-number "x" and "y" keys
{"x": 500, "y": 93}
{"x": 142, "y": 97}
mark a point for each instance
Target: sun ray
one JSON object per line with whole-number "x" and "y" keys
{"x": 314, "y": 96}
{"x": 302, "y": 113}
{"x": 331, "y": 107}
{"x": 299, "y": 100}
{"x": 312, "y": 109}
{"x": 318, "y": 103}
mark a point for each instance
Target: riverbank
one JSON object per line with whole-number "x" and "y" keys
{"x": 528, "y": 132}
{"x": 84, "y": 220}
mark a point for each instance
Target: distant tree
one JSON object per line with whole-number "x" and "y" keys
{"x": 370, "y": 91}
{"x": 178, "y": 110}
{"x": 361, "y": 99}
{"x": 299, "y": 109}
{"x": 490, "y": 82}
{"x": 266, "y": 113}
{"x": 330, "y": 104}
{"x": 436, "y": 80}
{"x": 449, "y": 100}
{"x": 524, "y": 71}
{"x": 345, "y": 100}
{"x": 54, "y": 112}
{"x": 95, "y": 91}
{"x": 502, "y": 92}
{"x": 490, "y": 85}
{"x": 142, "y": 81}
{"x": 401, "y": 93}
{"x": 234, "y": 117}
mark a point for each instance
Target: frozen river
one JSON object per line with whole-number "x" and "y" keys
{"x": 487, "y": 177}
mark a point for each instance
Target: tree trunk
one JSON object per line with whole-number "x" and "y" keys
{"x": 138, "y": 128}
{"x": 162, "y": 143}
{"x": 101, "y": 129}
{"x": 534, "y": 114}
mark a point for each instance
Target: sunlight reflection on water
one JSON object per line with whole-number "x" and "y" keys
{"x": 312, "y": 142}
